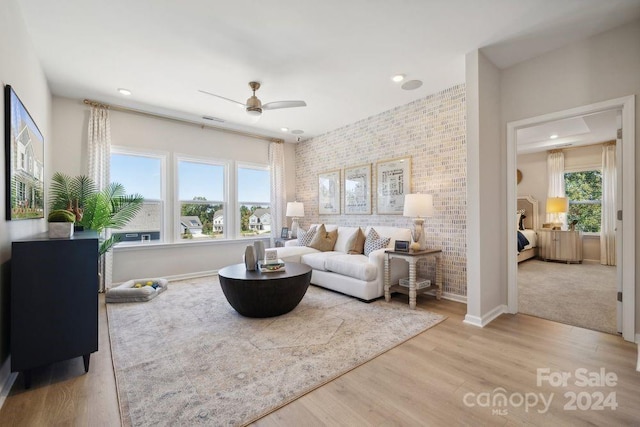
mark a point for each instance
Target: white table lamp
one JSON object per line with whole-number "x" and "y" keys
{"x": 418, "y": 206}
{"x": 295, "y": 210}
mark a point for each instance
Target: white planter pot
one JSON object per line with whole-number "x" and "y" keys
{"x": 60, "y": 230}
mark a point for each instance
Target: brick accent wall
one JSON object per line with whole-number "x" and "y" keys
{"x": 432, "y": 131}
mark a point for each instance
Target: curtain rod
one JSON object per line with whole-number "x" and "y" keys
{"x": 560, "y": 150}
{"x": 174, "y": 119}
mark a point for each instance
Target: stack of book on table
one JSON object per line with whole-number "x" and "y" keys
{"x": 270, "y": 266}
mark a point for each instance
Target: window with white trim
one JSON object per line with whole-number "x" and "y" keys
{"x": 201, "y": 199}
{"x": 584, "y": 191}
{"x": 142, "y": 173}
{"x": 254, "y": 200}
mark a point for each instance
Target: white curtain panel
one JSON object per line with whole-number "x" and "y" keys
{"x": 99, "y": 140}
{"x": 608, "y": 224}
{"x": 278, "y": 188}
{"x": 555, "y": 169}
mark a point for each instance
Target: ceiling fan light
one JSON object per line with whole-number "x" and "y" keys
{"x": 254, "y": 111}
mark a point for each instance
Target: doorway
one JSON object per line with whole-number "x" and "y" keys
{"x": 626, "y": 254}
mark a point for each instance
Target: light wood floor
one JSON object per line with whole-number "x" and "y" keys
{"x": 424, "y": 381}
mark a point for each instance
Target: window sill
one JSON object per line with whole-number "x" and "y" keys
{"x": 172, "y": 245}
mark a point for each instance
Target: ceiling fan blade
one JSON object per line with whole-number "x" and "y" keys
{"x": 222, "y": 97}
{"x": 283, "y": 104}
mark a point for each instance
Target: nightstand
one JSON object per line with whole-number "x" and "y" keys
{"x": 559, "y": 245}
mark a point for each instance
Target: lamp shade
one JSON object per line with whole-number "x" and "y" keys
{"x": 418, "y": 205}
{"x": 557, "y": 204}
{"x": 295, "y": 209}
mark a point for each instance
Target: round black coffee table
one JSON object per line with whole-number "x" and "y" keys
{"x": 256, "y": 294}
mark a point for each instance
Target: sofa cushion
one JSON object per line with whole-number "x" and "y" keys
{"x": 374, "y": 242}
{"x": 306, "y": 236}
{"x": 356, "y": 243}
{"x": 344, "y": 235}
{"x": 324, "y": 241}
{"x": 294, "y": 253}
{"x": 317, "y": 260}
{"x": 356, "y": 266}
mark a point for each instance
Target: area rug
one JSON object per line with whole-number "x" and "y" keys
{"x": 187, "y": 358}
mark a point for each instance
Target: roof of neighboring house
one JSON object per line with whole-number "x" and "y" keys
{"x": 260, "y": 212}
{"x": 191, "y": 221}
{"x": 218, "y": 214}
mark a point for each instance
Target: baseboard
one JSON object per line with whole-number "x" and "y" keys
{"x": 185, "y": 276}
{"x": 483, "y": 321}
{"x": 449, "y": 296}
{"x": 7, "y": 378}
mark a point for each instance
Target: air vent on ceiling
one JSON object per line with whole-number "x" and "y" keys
{"x": 213, "y": 119}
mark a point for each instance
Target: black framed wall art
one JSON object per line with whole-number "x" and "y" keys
{"x": 24, "y": 160}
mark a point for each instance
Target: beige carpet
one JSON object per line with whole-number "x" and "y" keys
{"x": 187, "y": 358}
{"x": 581, "y": 295}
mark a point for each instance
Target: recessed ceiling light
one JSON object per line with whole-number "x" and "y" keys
{"x": 284, "y": 129}
{"x": 411, "y": 85}
{"x": 398, "y": 78}
{"x": 124, "y": 91}
{"x": 554, "y": 136}
{"x": 297, "y": 131}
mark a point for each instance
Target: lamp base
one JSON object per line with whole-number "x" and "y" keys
{"x": 417, "y": 235}
{"x": 294, "y": 228}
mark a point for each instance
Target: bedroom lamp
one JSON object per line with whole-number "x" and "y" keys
{"x": 295, "y": 210}
{"x": 557, "y": 205}
{"x": 418, "y": 206}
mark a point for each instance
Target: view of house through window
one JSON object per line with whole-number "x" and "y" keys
{"x": 201, "y": 198}
{"x": 584, "y": 191}
{"x": 141, "y": 174}
{"x": 254, "y": 200}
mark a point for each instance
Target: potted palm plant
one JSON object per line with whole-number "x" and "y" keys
{"x": 110, "y": 208}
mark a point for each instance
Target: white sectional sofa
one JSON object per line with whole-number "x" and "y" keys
{"x": 356, "y": 275}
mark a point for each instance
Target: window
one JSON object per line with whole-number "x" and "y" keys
{"x": 584, "y": 191}
{"x": 254, "y": 196}
{"x": 142, "y": 174}
{"x": 201, "y": 200}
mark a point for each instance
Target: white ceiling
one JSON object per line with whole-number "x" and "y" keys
{"x": 336, "y": 55}
{"x": 572, "y": 132}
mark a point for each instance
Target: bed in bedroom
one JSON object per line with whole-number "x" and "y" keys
{"x": 527, "y": 224}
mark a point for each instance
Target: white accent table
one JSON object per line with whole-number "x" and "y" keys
{"x": 412, "y": 257}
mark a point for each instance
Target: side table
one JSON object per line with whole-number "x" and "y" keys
{"x": 412, "y": 257}
{"x": 280, "y": 241}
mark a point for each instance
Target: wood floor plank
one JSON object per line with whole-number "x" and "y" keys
{"x": 423, "y": 381}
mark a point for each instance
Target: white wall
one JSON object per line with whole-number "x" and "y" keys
{"x": 600, "y": 68}
{"x": 486, "y": 235}
{"x": 19, "y": 68}
{"x": 144, "y": 132}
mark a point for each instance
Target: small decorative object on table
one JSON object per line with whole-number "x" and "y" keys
{"x": 401, "y": 246}
{"x": 250, "y": 258}
{"x": 258, "y": 246}
{"x": 270, "y": 256}
{"x": 61, "y": 223}
{"x": 271, "y": 267}
{"x": 284, "y": 234}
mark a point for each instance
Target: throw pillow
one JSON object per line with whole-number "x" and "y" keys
{"x": 305, "y": 237}
{"x": 355, "y": 245}
{"x": 374, "y": 242}
{"x": 324, "y": 241}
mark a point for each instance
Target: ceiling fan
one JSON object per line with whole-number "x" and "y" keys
{"x": 254, "y": 106}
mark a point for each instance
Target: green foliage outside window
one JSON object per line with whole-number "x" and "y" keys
{"x": 584, "y": 191}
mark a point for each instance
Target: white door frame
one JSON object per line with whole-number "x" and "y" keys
{"x": 626, "y": 260}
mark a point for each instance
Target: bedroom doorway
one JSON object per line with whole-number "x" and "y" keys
{"x": 624, "y": 278}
